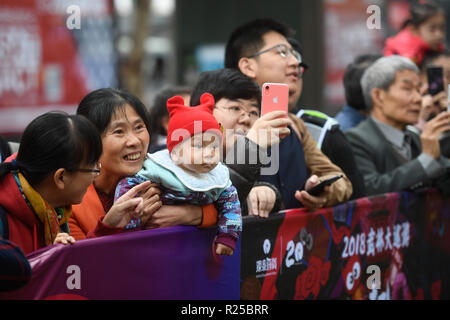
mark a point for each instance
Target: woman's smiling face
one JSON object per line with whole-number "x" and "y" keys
{"x": 125, "y": 142}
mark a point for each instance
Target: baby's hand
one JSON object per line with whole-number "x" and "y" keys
{"x": 223, "y": 249}
{"x": 64, "y": 238}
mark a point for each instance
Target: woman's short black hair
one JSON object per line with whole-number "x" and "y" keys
{"x": 55, "y": 140}
{"x": 100, "y": 105}
{"x": 431, "y": 57}
{"x": 159, "y": 108}
{"x": 352, "y": 80}
{"x": 226, "y": 83}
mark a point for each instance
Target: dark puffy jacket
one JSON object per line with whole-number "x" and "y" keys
{"x": 333, "y": 143}
{"x": 244, "y": 163}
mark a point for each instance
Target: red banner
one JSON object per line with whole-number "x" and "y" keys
{"x": 393, "y": 246}
{"x": 47, "y": 61}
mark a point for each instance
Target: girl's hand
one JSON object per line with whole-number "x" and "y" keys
{"x": 64, "y": 238}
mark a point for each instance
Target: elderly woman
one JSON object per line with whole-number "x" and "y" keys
{"x": 122, "y": 121}
{"x": 237, "y": 109}
{"x": 56, "y": 162}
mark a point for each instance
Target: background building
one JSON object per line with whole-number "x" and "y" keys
{"x": 49, "y": 60}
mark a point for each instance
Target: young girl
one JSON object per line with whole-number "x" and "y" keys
{"x": 56, "y": 162}
{"x": 423, "y": 32}
{"x": 189, "y": 170}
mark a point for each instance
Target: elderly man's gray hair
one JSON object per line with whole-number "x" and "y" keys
{"x": 381, "y": 74}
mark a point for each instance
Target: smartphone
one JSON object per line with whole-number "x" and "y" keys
{"x": 318, "y": 189}
{"x": 448, "y": 98}
{"x": 435, "y": 77}
{"x": 275, "y": 97}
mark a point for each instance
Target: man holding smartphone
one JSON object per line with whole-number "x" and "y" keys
{"x": 260, "y": 50}
{"x": 391, "y": 157}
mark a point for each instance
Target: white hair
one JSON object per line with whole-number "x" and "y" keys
{"x": 381, "y": 74}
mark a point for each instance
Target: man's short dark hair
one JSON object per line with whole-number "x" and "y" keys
{"x": 247, "y": 39}
{"x": 225, "y": 83}
{"x": 352, "y": 80}
{"x": 159, "y": 108}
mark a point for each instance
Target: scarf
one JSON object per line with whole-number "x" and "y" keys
{"x": 51, "y": 218}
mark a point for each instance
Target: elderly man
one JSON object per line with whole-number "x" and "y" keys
{"x": 390, "y": 157}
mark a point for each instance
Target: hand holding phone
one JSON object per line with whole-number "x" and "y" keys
{"x": 435, "y": 76}
{"x": 448, "y": 98}
{"x": 275, "y": 97}
{"x": 319, "y": 188}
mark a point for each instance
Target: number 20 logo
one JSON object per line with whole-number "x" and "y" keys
{"x": 295, "y": 250}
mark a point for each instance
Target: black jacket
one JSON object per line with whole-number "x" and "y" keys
{"x": 244, "y": 163}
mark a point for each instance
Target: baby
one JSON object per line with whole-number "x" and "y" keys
{"x": 190, "y": 171}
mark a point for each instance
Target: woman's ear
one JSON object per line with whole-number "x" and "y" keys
{"x": 248, "y": 67}
{"x": 59, "y": 178}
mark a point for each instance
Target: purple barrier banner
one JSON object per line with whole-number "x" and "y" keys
{"x": 392, "y": 246}
{"x": 174, "y": 263}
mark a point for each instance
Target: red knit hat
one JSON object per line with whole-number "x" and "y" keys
{"x": 192, "y": 119}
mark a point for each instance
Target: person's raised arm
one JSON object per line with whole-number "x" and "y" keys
{"x": 186, "y": 214}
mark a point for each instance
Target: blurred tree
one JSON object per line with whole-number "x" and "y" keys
{"x": 131, "y": 68}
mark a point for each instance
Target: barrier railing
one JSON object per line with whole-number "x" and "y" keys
{"x": 171, "y": 263}
{"x": 392, "y": 246}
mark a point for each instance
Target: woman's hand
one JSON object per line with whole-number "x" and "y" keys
{"x": 269, "y": 129}
{"x": 152, "y": 203}
{"x": 129, "y": 207}
{"x": 64, "y": 238}
{"x": 312, "y": 202}
{"x": 260, "y": 201}
{"x": 174, "y": 215}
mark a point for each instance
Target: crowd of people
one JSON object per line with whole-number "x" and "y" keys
{"x": 118, "y": 166}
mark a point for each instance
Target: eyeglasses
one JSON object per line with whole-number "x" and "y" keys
{"x": 239, "y": 112}
{"x": 285, "y": 52}
{"x": 95, "y": 170}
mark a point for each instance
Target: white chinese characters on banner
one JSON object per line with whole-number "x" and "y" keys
{"x": 379, "y": 241}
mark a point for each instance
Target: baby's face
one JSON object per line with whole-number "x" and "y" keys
{"x": 199, "y": 153}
